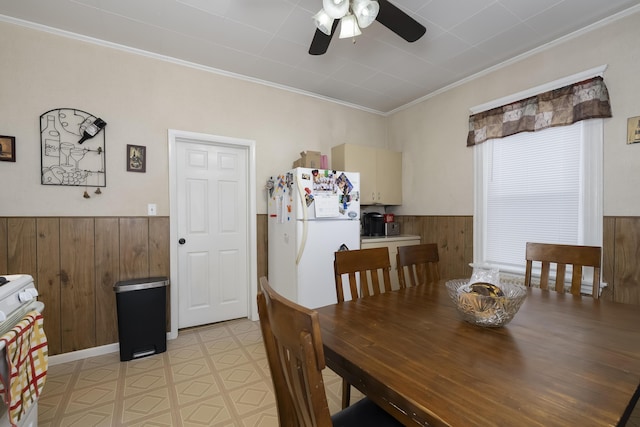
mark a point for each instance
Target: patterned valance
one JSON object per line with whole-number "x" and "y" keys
{"x": 587, "y": 99}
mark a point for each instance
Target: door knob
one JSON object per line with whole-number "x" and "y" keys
{"x": 182, "y": 241}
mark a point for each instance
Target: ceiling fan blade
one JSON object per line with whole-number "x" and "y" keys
{"x": 399, "y": 22}
{"x": 320, "y": 42}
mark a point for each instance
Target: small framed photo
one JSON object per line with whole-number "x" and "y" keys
{"x": 7, "y": 148}
{"x": 633, "y": 130}
{"x": 136, "y": 158}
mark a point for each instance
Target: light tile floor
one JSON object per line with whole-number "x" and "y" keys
{"x": 215, "y": 376}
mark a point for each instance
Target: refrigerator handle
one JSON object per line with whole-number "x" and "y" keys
{"x": 305, "y": 223}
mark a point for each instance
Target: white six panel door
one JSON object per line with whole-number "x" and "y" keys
{"x": 213, "y": 262}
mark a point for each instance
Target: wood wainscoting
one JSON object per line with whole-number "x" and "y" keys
{"x": 75, "y": 262}
{"x": 454, "y": 236}
{"x": 621, "y": 252}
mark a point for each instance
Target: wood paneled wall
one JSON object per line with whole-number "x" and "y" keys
{"x": 263, "y": 246}
{"x": 75, "y": 262}
{"x": 620, "y": 250}
{"x": 622, "y": 254}
{"x": 454, "y": 236}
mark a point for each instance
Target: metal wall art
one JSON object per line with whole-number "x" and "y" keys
{"x": 72, "y": 148}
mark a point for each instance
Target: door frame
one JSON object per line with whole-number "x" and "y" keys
{"x": 201, "y": 138}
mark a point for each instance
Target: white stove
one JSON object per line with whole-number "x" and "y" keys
{"x": 18, "y": 296}
{"x": 15, "y": 294}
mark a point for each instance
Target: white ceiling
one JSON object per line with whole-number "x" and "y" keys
{"x": 268, "y": 40}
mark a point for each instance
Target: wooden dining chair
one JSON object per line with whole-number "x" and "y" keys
{"x": 420, "y": 262}
{"x": 291, "y": 335}
{"x": 563, "y": 255}
{"x": 371, "y": 268}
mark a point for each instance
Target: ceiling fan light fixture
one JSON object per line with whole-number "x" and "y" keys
{"x": 365, "y": 11}
{"x": 336, "y": 9}
{"x": 356, "y": 14}
{"x": 349, "y": 27}
{"x": 323, "y": 22}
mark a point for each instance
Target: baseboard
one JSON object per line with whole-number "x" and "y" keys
{"x": 83, "y": 354}
{"x": 72, "y": 356}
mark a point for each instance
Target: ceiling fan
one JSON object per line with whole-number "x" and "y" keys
{"x": 356, "y": 14}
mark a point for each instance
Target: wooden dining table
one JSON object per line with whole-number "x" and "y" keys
{"x": 563, "y": 360}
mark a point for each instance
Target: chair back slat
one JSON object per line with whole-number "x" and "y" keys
{"x": 353, "y": 284}
{"x": 370, "y": 267}
{"x": 292, "y": 339}
{"x": 419, "y": 263}
{"x": 364, "y": 266}
{"x": 562, "y": 255}
{"x": 561, "y": 274}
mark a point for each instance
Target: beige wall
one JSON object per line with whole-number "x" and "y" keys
{"x": 438, "y": 173}
{"x": 141, "y": 98}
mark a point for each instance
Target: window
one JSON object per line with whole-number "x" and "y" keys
{"x": 543, "y": 186}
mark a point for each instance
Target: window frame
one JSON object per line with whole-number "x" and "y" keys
{"x": 591, "y": 228}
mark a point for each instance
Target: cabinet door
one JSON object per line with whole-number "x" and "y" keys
{"x": 358, "y": 158}
{"x": 380, "y": 172}
{"x": 389, "y": 177}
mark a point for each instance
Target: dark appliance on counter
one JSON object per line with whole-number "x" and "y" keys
{"x": 373, "y": 224}
{"x": 391, "y": 229}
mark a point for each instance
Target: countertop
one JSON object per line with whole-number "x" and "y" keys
{"x": 384, "y": 239}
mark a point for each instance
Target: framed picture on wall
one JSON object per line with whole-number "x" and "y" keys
{"x": 633, "y": 130}
{"x": 136, "y": 158}
{"x": 7, "y": 148}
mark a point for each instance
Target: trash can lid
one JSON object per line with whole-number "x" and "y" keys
{"x": 140, "y": 283}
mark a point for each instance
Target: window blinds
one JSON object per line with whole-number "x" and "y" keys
{"x": 533, "y": 193}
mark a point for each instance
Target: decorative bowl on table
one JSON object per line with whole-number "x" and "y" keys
{"x": 485, "y": 304}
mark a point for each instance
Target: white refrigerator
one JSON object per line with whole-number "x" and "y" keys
{"x": 312, "y": 214}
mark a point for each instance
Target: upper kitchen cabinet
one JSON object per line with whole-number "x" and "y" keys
{"x": 380, "y": 172}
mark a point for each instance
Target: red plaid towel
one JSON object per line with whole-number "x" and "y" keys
{"x": 27, "y": 359}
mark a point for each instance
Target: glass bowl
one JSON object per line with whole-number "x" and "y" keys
{"x": 484, "y": 310}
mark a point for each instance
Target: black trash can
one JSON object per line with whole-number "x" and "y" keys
{"x": 142, "y": 316}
